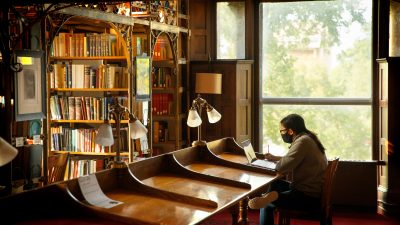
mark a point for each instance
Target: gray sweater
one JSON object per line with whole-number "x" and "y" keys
{"x": 307, "y": 163}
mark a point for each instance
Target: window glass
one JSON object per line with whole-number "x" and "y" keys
{"x": 318, "y": 51}
{"x": 230, "y": 30}
{"x": 343, "y": 130}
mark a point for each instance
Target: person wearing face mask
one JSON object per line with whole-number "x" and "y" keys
{"x": 305, "y": 160}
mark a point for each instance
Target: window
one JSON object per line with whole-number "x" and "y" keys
{"x": 315, "y": 60}
{"x": 230, "y": 30}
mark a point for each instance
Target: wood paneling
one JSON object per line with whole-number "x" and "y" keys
{"x": 235, "y": 102}
{"x": 200, "y": 30}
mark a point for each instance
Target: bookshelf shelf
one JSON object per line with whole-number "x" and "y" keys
{"x": 88, "y": 121}
{"x": 164, "y": 63}
{"x": 115, "y": 58}
{"x": 163, "y": 89}
{"x": 90, "y": 89}
{"x": 91, "y": 153}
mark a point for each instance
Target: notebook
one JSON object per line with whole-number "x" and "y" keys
{"x": 252, "y": 158}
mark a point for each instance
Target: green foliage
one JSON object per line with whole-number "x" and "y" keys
{"x": 299, "y": 41}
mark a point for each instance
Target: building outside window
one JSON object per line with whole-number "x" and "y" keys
{"x": 315, "y": 60}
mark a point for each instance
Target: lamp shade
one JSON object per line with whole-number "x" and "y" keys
{"x": 104, "y": 135}
{"x": 194, "y": 119}
{"x": 7, "y": 152}
{"x": 213, "y": 115}
{"x": 208, "y": 83}
{"x": 138, "y": 130}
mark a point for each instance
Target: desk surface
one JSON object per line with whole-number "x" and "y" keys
{"x": 182, "y": 187}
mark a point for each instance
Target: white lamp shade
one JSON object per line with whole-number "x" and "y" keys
{"x": 213, "y": 116}
{"x": 194, "y": 119}
{"x": 7, "y": 152}
{"x": 138, "y": 130}
{"x": 104, "y": 135}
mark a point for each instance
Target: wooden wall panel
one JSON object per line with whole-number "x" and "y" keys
{"x": 200, "y": 31}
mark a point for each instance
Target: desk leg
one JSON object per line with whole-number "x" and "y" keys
{"x": 239, "y": 213}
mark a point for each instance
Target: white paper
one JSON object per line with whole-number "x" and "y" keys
{"x": 145, "y": 111}
{"x": 19, "y": 141}
{"x": 93, "y": 194}
{"x": 37, "y": 140}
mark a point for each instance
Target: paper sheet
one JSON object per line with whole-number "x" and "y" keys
{"x": 93, "y": 194}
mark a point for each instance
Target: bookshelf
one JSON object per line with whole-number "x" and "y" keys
{"x": 85, "y": 45}
{"x": 89, "y": 69}
{"x": 170, "y": 96}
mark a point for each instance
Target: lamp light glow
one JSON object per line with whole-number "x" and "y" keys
{"x": 7, "y": 152}
{"x": 138, "y": 130}
{"x": 194, "y": 119}
{"x": 206, "y": 83}
{"x": 104, "y": 135}
{"x": 213, "y": 115}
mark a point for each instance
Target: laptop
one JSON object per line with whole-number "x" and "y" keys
{"x": 252, "y": 158}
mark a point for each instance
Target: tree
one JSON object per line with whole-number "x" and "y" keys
{"x": 300, "y": 39}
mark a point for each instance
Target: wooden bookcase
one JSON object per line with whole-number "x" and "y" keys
{"x": 131, "y": 36}
{"x": 170, "y": 92}
{"x": 89, "y": 69}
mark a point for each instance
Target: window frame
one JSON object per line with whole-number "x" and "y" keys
{"x": 260, "y": 101}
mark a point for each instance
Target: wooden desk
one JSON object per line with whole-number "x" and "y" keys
{"x": 183, "y": 187}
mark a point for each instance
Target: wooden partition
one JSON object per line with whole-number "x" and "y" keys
{"x": 182, "y": 187}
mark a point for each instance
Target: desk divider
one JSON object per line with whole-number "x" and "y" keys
{"x": 129, "y": 186}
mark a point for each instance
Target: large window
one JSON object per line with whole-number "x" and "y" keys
{"x": 316, "y": 61}
{"x": 230, "y": 30}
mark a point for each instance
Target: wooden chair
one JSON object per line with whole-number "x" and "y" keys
{"x": 57, "y": 165}
{"x": 324, "y": 213}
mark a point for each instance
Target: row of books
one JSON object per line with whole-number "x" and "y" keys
{"x": 161, "y": 50}
{"x": 160, "y": 131}
{"x": 162, "y": 104}
{"x": 141, "y": 147}
{"x": 82, "y": 140}
{"x": 82, "y": 107}
{"x": 141, "y": 110}
{"x": 80, "y": 168}
{"x": 84, "y": 45}
{"x": 162, "y": 77}
{"x": 139, "y": 45}
{"x": 83, "y": 167}
{"x": 86, "y": 76}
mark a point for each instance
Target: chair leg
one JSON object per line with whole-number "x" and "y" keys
{"x": 330, "y": 220}
{"x": 326, "y": 221}
{"x": 283, "y": 220}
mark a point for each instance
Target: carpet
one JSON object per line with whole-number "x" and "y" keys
{"x": 339, "y": 218}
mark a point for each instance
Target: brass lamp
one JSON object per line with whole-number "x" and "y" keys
{"x": 206, "y": 83}
{"x": 105, "y": 136}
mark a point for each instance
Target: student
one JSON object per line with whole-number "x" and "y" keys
{"x": 306, "y": 160}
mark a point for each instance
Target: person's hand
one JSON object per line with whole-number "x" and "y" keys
{"x": 270, "y": 157}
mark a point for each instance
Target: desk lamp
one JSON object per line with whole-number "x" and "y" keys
{"x": 206, "y": 83}
{"x": 7, "y": 152}
{"x": 105, "y": 136}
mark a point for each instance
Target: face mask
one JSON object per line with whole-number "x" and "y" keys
{"x": 287, "y": 138}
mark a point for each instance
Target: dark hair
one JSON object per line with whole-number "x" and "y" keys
{"x": 296, "y": 123}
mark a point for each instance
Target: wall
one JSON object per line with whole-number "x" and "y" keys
{"x": 355, "y": 184}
